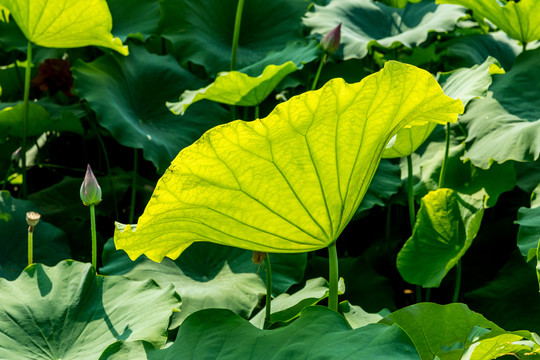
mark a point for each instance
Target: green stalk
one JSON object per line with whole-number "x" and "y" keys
{"x": 318, "y": 73}
{"x": 458, "y": 281}
{"x": 256, "y": 111}
{"x": 334, "y": 277}
{"x": 94, "y": 237}
{"x": 30, "y": 245}
{"x": 236, "y": 35}
{"x": 134, "y": 185}
{"x": 412, "y": 212}
{"x": 268, "y": 270}
{"x": 445, "y": 159}
{"x": 26, "y": 98}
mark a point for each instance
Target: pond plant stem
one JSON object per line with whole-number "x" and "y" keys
{"x": 334, "y": 277}
{"x": 236, "y": 34}
{"x": 445, "y": 159}
{"x": 26, "y": 104}
{"x": 412, "y": 212}
{"x": 30, "y": 245}
{"x": 318, "y": 73}
{"x": 268, "y": 270}
{"x": 94, "y": 237}
{"x": 134, "y": 185}
{"x": 458, "y": 281}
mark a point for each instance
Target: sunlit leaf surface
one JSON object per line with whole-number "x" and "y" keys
{"x": 519, "y": 19}
{"x": 65, "y": 23}
{"x": 291, "y": 181}
{"x": 446, "y": 225}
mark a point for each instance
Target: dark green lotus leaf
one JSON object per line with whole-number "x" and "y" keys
{"x": 366, "y": 23}
{"x": 528, "y": 219}
{"x": 511, "y": 299}
{"x": 528, "y": 175}
{"x": 129, "y": 95}
{"x": 67, "y": 312}
{"x": 11, "y": 37}
{"x": 287, "y": 307}
{"x": 506, "y": 124}
{"x": 210, "y": 276}
{"x": 202, "y": 31}
{"x": 475, "y": 49}
{"x": 50, "y": 243}
{"x": 440, "y": 331}
{"x": 446, "y": 225}
{"x": 138, "y": 19}
{"x": 319, "y": 333}
{"x": 39, "y": 120}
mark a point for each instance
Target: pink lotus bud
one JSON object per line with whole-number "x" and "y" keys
{"x": 330, "y": 41}
{"x": 90, "y": 190}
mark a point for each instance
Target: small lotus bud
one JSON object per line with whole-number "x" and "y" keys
{"x": 330, "y": 41}
{"x": 90, "y": 190}
{"x": 32, "y": 218}
{"x": 16, "y": 156}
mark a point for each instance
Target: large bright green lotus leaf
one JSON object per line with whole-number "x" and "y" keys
{"x": 65, "y": 23}
{"x": 286, "y": 307}
{"x": 236, "y": 88}
{"x": 366, "y": 23}
{"x": 520, "y": 20}
{"x": 210, "y": 276}
{"x": 202, "y": 31}
{"x": 464, "y": 84}
{"x": 50, "y": 243}
{"x": 511, "y": 298}
{"x": 319, "y": 333}
{"x": 292, "y": 181}
{"x": 528, "y": 219}
{"x": 440, "y": 330}
{"x": 446, "y": 225}
{"x": 67, "y": 312}
{"x": 506, "y": 124}
{"x": 129, "y": 95}
{"x": 138, "y": 18}
{"x": 39, "y": 120}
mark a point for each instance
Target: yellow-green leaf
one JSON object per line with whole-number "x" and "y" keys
{"x": 65, "y": 23}
{"x": 236, "y": 88}
{"x": 289, "y": 182}
{"x": 520, "y": 20}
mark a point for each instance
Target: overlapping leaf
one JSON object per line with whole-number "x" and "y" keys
{"x": 446, "y": 225}
{"x": 520, "y": 20}
{"x": 138, "y": 18}
{"x": 319, "y": 333}
{"x": 236, "y": 88}
{"x": 202, "y": 31}
{"x": 292, "y": 181}
{"x": 67, "y": 312}
{"x": 529, "y": 227}
{"x": 440, "y": 331}
{"x": 132, "y": 105}
{"x": 366, "y": 23}
{"x": 210, "y": 276}
{"x": 65, "y": 23}
{"x": 506, "y": 124}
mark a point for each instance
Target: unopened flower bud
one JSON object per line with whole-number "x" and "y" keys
{"x": 90, "y": 190}
{"x": 32, "y": 218}
{"x": 330, "y": 41}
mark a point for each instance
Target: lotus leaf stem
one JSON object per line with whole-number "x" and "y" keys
{"x": 26, "y": 104}
{"x": 334, "y": 277}
{"x": 236, "y": 35}
{"x": 94, "y": 237}
{"x": 318, "y": 73}
{"x": 458, "y": 281}
{"x": 412, "y": 212}
{"x": 268, "y": 270}
{"x": 134, "y": 185}
{"x": 445, "y": 159}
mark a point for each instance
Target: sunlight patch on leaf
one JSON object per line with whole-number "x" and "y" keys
{"x": 65, "y": 23}
{"x": 291, "y": 181}
{"x": 236, "y": 88}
